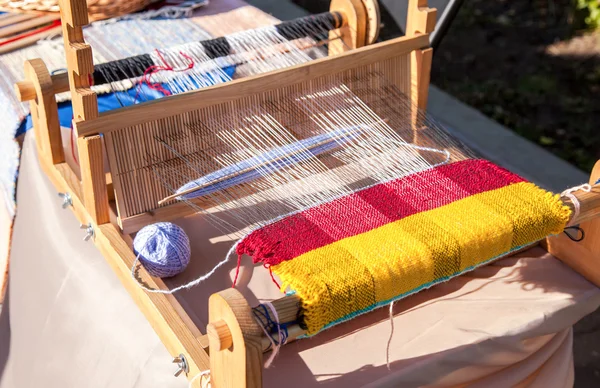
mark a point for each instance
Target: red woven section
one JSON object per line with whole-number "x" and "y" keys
{"x": 371, "y": 208}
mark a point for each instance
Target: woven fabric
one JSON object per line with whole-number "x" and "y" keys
{"x": 383, "y": 243}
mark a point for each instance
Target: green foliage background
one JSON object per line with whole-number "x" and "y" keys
{"x": 590, "y": 10}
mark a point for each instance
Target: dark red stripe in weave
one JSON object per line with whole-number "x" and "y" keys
{"x": 372, "y": 208}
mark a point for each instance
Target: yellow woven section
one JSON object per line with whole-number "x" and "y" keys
{"x": 360, "y": 273}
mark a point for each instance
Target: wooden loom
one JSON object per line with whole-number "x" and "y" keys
{"x": 233, "y": 345}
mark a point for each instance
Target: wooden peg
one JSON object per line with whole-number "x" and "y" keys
{"x": 219, "y": 336}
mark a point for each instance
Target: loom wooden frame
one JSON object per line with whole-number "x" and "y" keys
{"x": 230, "y": 318}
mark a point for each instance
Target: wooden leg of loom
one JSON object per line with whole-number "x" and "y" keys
{"x": 235, "y": 342}
{"x": 583, "y": 256}
{"x": 93, "y": 178}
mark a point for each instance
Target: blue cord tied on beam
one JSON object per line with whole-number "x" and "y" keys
{"x": 270, "y": 326}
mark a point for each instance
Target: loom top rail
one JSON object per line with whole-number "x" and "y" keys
{"x": 119, "y": 199}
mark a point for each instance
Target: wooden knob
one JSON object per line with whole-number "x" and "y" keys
{"x": 219, "y": 336}
{"x": 25, "y": 91}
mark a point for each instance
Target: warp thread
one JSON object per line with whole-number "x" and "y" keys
{"x": 269, "y": 328}
{"x": 204, "y": 377}
{"x": 389, "y": 343}
{"x": 576, "y": 205}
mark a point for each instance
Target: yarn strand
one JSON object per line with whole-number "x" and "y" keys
{"x": 389, "y": 342}
{"x": 204, "y": 377}
{"x": 183, "y": 286}
{"x": 576, "y": 205}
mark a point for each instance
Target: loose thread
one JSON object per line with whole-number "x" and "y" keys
{"x": 204, "y": 383}
{"x": 267, "y": 266}
{"x": 576, "y": 205}
{"x": 73, "y": 153}
{"x": 279, "y": 334}
{"x": 237, "y": 271}
{"x": 264, "y": 329}
{"x": 577, "y": 228}
{"x": 183, "y": 286}
{"x": 261, "y": 314}
{"x": 151, "y": 70}
{"x": 389, "y": 343}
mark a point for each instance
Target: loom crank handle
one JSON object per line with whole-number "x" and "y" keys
{"x": 219, "y": 336}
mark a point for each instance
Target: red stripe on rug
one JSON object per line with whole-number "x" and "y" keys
{"x": 372, "y": 208}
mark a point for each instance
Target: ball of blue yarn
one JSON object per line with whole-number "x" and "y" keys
{"x": 163, "y": 249}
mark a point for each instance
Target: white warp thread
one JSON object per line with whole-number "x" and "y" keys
{"x": 204, "y": 382}
{"x": 183, "y": 286}
{"x": 577, "y": 206}
{"x": 276, "y": 346}
{"x": 387, "y": 349}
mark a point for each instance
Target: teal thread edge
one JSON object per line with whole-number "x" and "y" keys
{"x": 413, "y": 291}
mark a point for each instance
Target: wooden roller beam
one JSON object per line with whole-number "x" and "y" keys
{"x": 221, "y": 338}
{"x": 583, "y": 256}
{"x": 589, "y": 205}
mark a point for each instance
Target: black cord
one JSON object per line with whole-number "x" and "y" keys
{"x": 578, "y": 229}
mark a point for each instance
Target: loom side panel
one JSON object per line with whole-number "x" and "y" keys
{"x": 135, "y": 153}
{"x": 583, "y": 256}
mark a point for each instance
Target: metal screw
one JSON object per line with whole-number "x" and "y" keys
{"x": 182, "y": 365}
{"x": 66, "y": 200}
{"x": 89, "y": 231}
